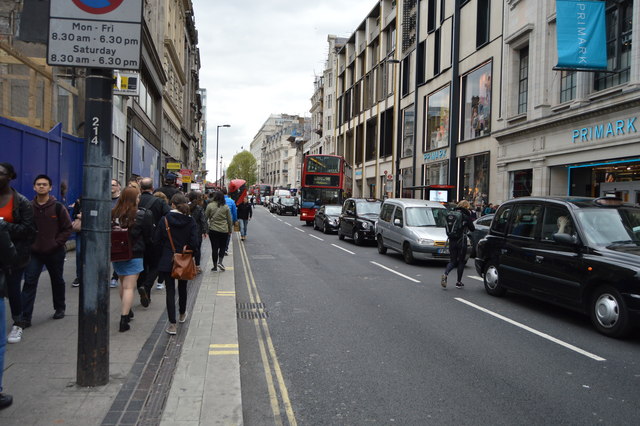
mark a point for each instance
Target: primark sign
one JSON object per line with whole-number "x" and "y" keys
{"x": 610, "y": 129}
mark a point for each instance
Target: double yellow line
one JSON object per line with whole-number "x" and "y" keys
{"x": 272, "y": 371}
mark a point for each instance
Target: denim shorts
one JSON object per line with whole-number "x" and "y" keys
{"x": 128, "y": 267}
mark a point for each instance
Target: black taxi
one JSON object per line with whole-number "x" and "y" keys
{"x": 577, "y": 252}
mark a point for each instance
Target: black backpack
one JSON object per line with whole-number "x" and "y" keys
{"x": 454, "y": 225}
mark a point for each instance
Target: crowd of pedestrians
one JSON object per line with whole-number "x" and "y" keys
{"x": 33, "y": 235}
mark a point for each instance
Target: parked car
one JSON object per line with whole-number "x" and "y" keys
{"x": 577, "y": 252}
{"x": 327, "y": 218}
{"x": 358, "y": 218}
{"x": 482, "y": 225}
{"x": 286, "y": 205}
{"x": 273, "y": 203}
{"x": 415, "y": 228}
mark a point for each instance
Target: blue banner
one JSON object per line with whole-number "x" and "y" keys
{"x": 582, "y": 42}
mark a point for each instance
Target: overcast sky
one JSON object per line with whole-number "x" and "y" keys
{"x": 259, "y": 57}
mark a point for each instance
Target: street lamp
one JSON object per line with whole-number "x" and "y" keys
{"x": 217, "y": 138}
{"x": 221, "y": 173}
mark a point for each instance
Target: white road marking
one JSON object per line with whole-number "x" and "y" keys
{"x": 300, "y": 230}
{"x": 343, "y": 249}
{"x": 278, "y": 219}
{"x": 475, "y": 277}
{"x": 534, "y": 331}
{"x": 317, "y": 238}
{"x": 288, "y": 224}
{"x": 397, "y": 273}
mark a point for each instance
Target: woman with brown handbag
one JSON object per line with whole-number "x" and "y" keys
{"x": 176, "y": 229}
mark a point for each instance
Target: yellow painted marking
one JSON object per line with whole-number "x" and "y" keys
{"x": 224, "y": 352}
{"x": 224, "y": 345}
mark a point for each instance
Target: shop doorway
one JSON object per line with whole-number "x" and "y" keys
{"x": 618, "y": 178}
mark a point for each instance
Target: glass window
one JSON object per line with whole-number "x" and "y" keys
{"x": 407, "y": 131}
{"x": 607, "y": 227}
{"x": 501, "y": 220}
{"x": 475, "y": 179}
{"x": 407, "y": 181}
{"x": 526, "y": 219}
{"x": 425, "y": 216}
{"x": 556, "y": 220}
{"x": 482, "y": 29}
{"x": 438, "y": 119}
{"x": 398, "y": 215}
{"x": 385, "y": 213}
{"x": 476, "y": 111}
{"x": 522, "y": 181}
{"x": 523, "y": 80}
{"x": 368, "y": 207}
{"x": 435, "y": 173}
{"x": 618, "y": 23}
{"x": 567, "y": 86}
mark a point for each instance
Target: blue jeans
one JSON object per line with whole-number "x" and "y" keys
{"x": 244, "y": 223}
{"x": 3, "y": 337}
{"x": 54, "y": 262}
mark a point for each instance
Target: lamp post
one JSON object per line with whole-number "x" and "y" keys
{"x": 221, "y": 173}
{"x": 217, "y": 139}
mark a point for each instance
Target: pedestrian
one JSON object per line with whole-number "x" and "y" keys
{"x": 169, "y": 188}
{"x": 234, "y": 216}
{"x": 158, "y": 208}
{"x": 245, "y": 213}
{"x": 54, "y": 229}
{"x": 220, "y": 227}
{"x": 116, "y": 189}
{"x": 158, "y": 194}
{"x": 489, "y": 209}
{"x": 139, "y": 225}
{"x": 76, "y": 217}
{"x": 458, "y": 224}
{"x": 17, "y": 213}
{"x": 180, "y": 228}
{"x": 197, "y": 213}
{"x": 8, "y": 254}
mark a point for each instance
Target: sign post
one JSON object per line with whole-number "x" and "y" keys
{"x": 86, "y": 33}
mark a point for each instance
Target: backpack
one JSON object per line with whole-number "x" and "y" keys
{"x": 454, "y": 225}
{"x": 121, "y": 246}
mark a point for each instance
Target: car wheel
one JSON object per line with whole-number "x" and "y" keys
{"x": 315, "y": 226}
{"x": 609, "y": 313}
{"x": 325, "y": 228}
{"x": 381, "y": 248}
{"x": 357, "y": 238}
{"x": 340, "y": 235}
{"x": 407, "y": 254}
{"x": 491, "y": 283}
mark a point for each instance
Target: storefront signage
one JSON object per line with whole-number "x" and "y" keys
{"x": 581, "y": 35}
{"x": 358, "y": 173}
{"x": 173, "y": 166}
{"x": 605, "y": 130}
{"x": 435, "y": 155}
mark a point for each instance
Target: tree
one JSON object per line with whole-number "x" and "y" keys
{"x": 243, "y": 166}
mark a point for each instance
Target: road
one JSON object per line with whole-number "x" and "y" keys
{"x": 339, "y": 334}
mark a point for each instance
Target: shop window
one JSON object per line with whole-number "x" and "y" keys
{"x": 435, "y": 173}
{"x": 408, "y": 119}
{"x": 407, "y": 182}
{"x": 523, "y": 80}
{"x": 521, "y": 184}
{"x": 482, "y": 29}
{"x": 476, "y": 110}
{"x": 567, "y": 86}
{"x": 437, "y": 120}
{"x": 619, "y": 30}
{"x": 475, "y": 179}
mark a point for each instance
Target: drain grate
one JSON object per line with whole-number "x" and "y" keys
{"x": 251, "y": 311}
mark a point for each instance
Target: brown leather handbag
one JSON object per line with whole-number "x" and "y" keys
{"x": 184, "y": 266}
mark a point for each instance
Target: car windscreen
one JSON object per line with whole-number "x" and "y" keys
{"x": 606, "y": 227}
{"x": 287, "y": 201}
{"x": 368, "y": 207}
{"x": 333, "y": 210}
{"x": 425, "y": 216}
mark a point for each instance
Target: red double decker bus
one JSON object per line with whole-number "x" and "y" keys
{"x": 326, "y": 179}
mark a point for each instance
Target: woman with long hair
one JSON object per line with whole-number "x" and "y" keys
{"x": 139, "y": 225}
{"x": 220, "y": 227}
{"x": 184, "y": 233}
{"x": 197, "y": 213}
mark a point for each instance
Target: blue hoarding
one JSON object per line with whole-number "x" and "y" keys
{"x": 581, "y": 36}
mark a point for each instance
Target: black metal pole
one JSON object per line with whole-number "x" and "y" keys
{"x": 217, "y": 138}
{"x": 454, "y": 118}
{"x": 93, "y": 311}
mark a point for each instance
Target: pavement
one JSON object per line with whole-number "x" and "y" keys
{"x": 192, "y": 378}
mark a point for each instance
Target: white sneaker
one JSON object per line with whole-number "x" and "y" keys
{"x": 159, "y": 286}
{"x": 15, "y": 335}
{"x": 114, "y": 283}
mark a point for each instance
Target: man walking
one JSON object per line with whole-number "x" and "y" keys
{"x": 158, "y": 208}
{"x": 458, "y": 224}
{"x": 54, "y": 228}
{"x": 234, "y": 216}
{"x": 169, "y": 189}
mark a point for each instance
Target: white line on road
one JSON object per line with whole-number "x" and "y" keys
{"x": 317, "y": 238}
{"x": 343, "y": 249}
{"x": 397, "y": 273}
{"x": 534, "y": 331}
{"x": 278, "y": 219}
{"x": 475, "y": 277}
{"x": 288, "y": 224}
{"x": 301, "y": 230}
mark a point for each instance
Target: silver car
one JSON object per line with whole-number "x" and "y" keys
{"x": 415, "y": 228}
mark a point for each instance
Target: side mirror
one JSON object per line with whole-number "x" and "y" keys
{"x": 566, "y": 239}
{"x": 397, "y": 222}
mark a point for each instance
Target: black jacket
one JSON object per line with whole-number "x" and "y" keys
{"x": 23, "y": 230}
{"x": 184, "y": 232}
{"x": 201, "y": 221}
{"x": 8, "y": 254}
{"x": 467, "y": 225}
{"x": 157, "y": 205}
{"x": 245, "y": 211}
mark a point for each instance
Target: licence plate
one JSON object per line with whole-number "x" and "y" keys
{"x": 443, "y": 251}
